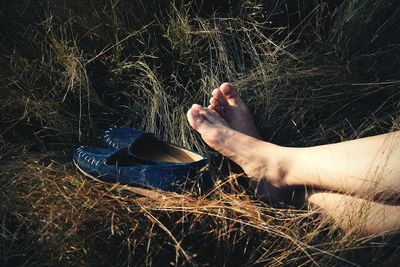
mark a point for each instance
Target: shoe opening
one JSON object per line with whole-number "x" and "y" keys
{"x": 150, "y": 148}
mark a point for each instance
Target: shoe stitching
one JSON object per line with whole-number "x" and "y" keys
{"x": 91, "y": 160}
{"x": 86, "y": 157}
{"x": 107, "y": 138}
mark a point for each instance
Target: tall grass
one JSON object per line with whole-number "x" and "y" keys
{"x": 71, "y": 69}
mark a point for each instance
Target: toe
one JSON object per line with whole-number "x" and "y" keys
{"x": 219, "y": 96}
{"x": 213, "y": 117}
{"x": 217, "y": 117}
{"x": 215, "y": 105}
{"x": 199, "y": 118}
{"x": 197, "y": 107}
{"x": 194, "y": 117}
{"x": 208, "y": 114}
{"x": 230, "y": 94}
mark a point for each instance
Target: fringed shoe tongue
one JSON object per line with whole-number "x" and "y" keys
{"x": 124, "y": 137}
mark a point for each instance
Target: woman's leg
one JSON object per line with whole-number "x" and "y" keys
{"x": 368, "y": 167}
{"x": 266, "y": 162}
{"x": 356, "y": 215}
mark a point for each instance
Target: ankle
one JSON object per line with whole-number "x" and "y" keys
{"x": 277, "y": 164}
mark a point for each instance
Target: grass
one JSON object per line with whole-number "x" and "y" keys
{"x": 312, "y": 73}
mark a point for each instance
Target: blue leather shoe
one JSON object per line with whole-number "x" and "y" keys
{"x": 119, "y": 166}
{"x": 140, "y": 159}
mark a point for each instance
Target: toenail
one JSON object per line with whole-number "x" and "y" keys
{"x": 196, "y": 106}
{"x": 195, "y": 112}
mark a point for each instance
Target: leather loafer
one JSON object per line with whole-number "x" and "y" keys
{"x": 140, "y": 159}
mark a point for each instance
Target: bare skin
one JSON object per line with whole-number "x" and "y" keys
{"x": 366, "y": 167}
{"x": 226, "y": 101}
{"x": 243, "y": 149}
{"x": 363, "y": 166}
{"x": 356, "y": 215}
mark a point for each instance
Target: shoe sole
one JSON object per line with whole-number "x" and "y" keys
{"x": 153, "y": 194}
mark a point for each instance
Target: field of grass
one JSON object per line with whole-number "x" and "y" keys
{"x": 313, "y": 72}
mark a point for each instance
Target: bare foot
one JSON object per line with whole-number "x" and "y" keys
{"x": 226, "y": 101}
{"x": 260, "y": 160}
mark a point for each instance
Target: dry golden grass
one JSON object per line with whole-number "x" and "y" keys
{"x": 60, "y": 217}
